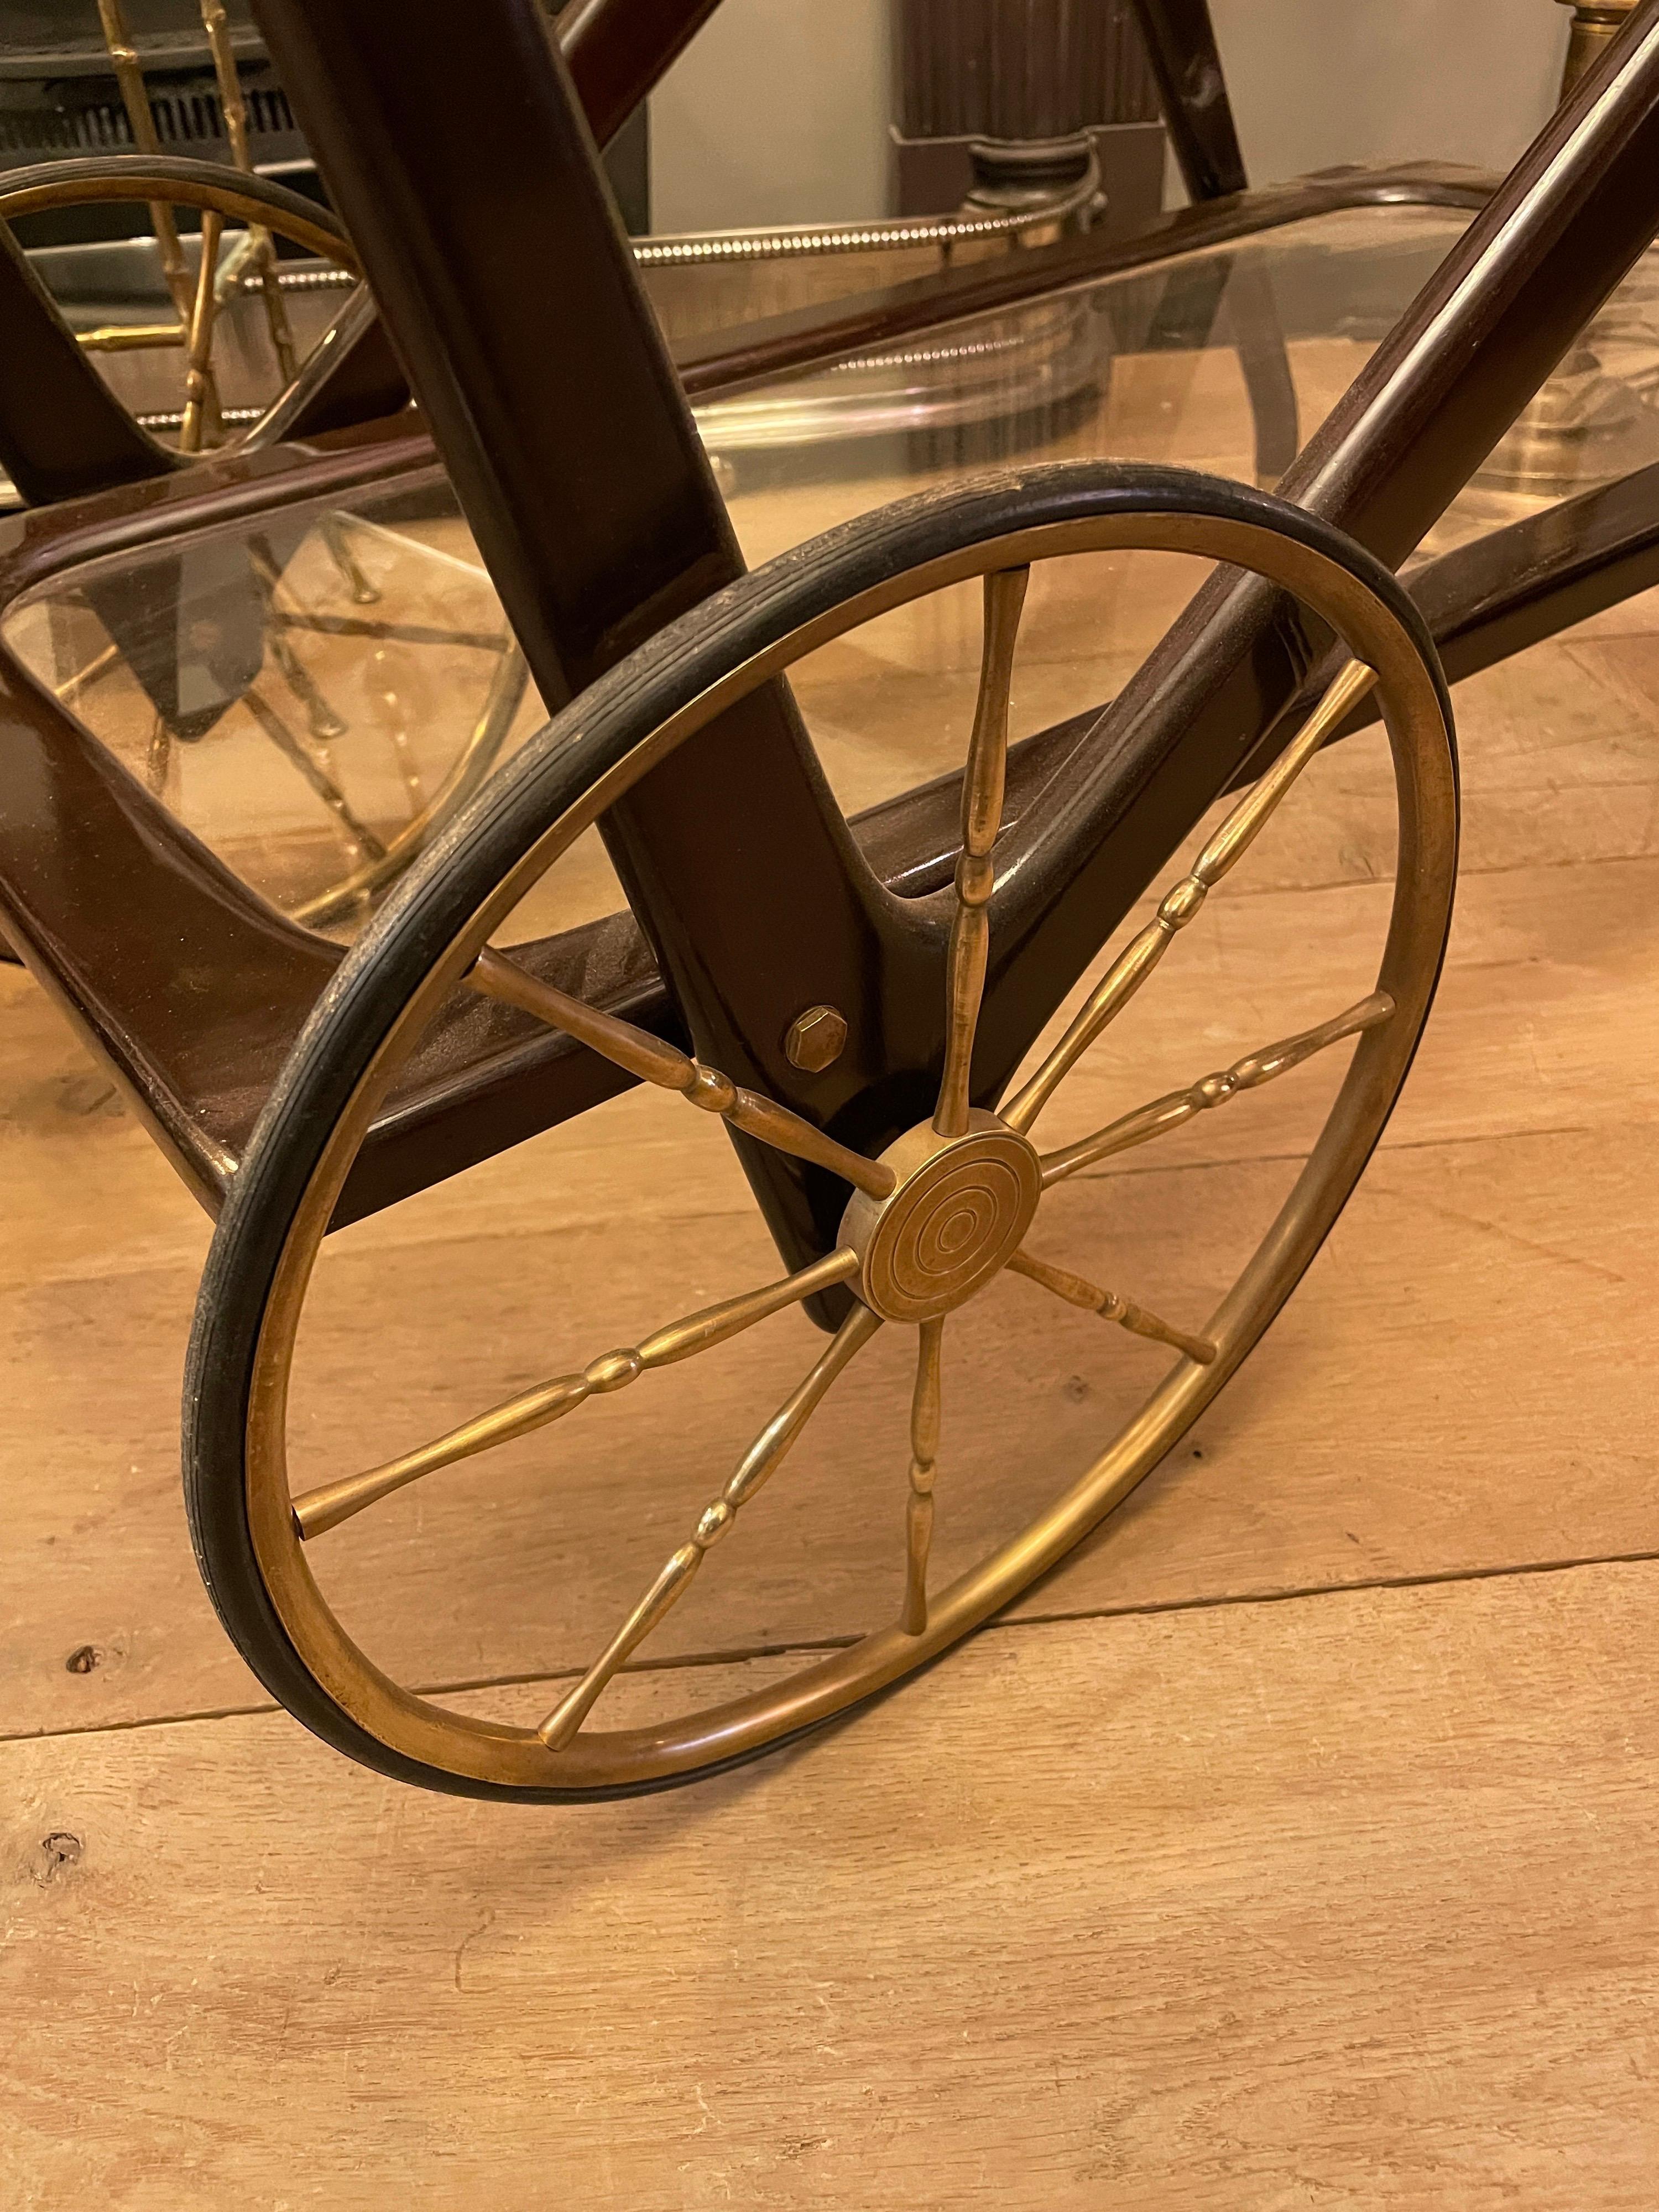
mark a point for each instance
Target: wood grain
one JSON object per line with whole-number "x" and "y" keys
{"x": 1344, "y": 1901}
{"x": 1499, "y": 1242}
{"x": 1421, "y": 1408}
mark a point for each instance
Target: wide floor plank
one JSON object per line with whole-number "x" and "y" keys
{"x": 1424, "y": 1405}
{"x": 1463, "y": 1383}
{"x": 1343, "y": 1900}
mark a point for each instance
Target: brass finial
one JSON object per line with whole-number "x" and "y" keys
{"x": 1595, "y": 23}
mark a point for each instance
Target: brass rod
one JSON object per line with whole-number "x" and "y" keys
{"x": 762, "y": 1460}
{"x": 233, "y": 107}
{"x": 1224, "y": 850}
{"x": 318, "y": 1510}
{"x": 200, "y": 399}
{"x": 1078, "y": 1290}
{"x": 1595, "y": 24}
{"x": 321, "y": 719}
{"x": 925, "y": 1407}
{"x": 103, "y": 663}
{"x": 1247, "y": 1074}
{"x": 490, "y": 730}
{"x": 653, "y": 1061}
{"x": 131, "y": 338}
{"x": 135, "y": 97}
{"x": 982, "y": 787}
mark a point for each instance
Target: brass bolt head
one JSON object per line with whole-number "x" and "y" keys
{"x": 815, "y": 1038}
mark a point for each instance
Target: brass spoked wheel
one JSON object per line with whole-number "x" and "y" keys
{"x": 285, "y": 603}
{"x": 933, "y": 1216}
{"x": 199, "y": 297}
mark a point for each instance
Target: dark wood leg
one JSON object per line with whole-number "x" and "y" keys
{"x": 616, "y": 50}
{"x": 1186, "y": 63}
{"x": 1252, "y": 323}
{"x": 1481, "y": 338}
{"x": 487, "y": 231}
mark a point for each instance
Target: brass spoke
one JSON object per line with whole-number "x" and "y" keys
{"x": 1078, "y": 1290}
{"x": 319, "y": 1510}
{"x": 158, "y": 759}
{"x": 983, "y": 786}
{"x": 763, "y": 1459}
{"x": 103, "y": 664}
{"x": 654, "y": 1061}
{"x": 924, "y": 1455}
{"x": 332, "y": 533}
{"x": 1230, "y": 842}
{"x": 1247, "y": 1074}
{"x": 131, "y": 338}
{"x": 321, "y": 718}
{"x": 316, "y": 775}
{"x": 390, "y": 633}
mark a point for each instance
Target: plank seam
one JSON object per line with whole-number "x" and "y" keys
{"x": 1299, "y": 1593}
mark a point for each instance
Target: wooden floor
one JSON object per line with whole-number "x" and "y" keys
{"x": 1291, "y": 1846}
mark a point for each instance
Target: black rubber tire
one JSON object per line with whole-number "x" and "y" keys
{"x": 445, "y": 888}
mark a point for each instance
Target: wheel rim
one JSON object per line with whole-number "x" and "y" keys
{"x": 163, "y": 182}
{"x": 469, "y": 1752}
{"x": 45, "y": 186}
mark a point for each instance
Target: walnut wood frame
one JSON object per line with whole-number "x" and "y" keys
{"x": 194, "y": 990}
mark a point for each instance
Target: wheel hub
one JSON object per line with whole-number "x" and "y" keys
{"x": 958, "y": 1214}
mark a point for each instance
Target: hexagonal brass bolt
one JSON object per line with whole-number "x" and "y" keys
{"x": 815, "y": 1038}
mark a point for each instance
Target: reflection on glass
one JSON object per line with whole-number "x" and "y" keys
{"x": 313, "y": 695}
